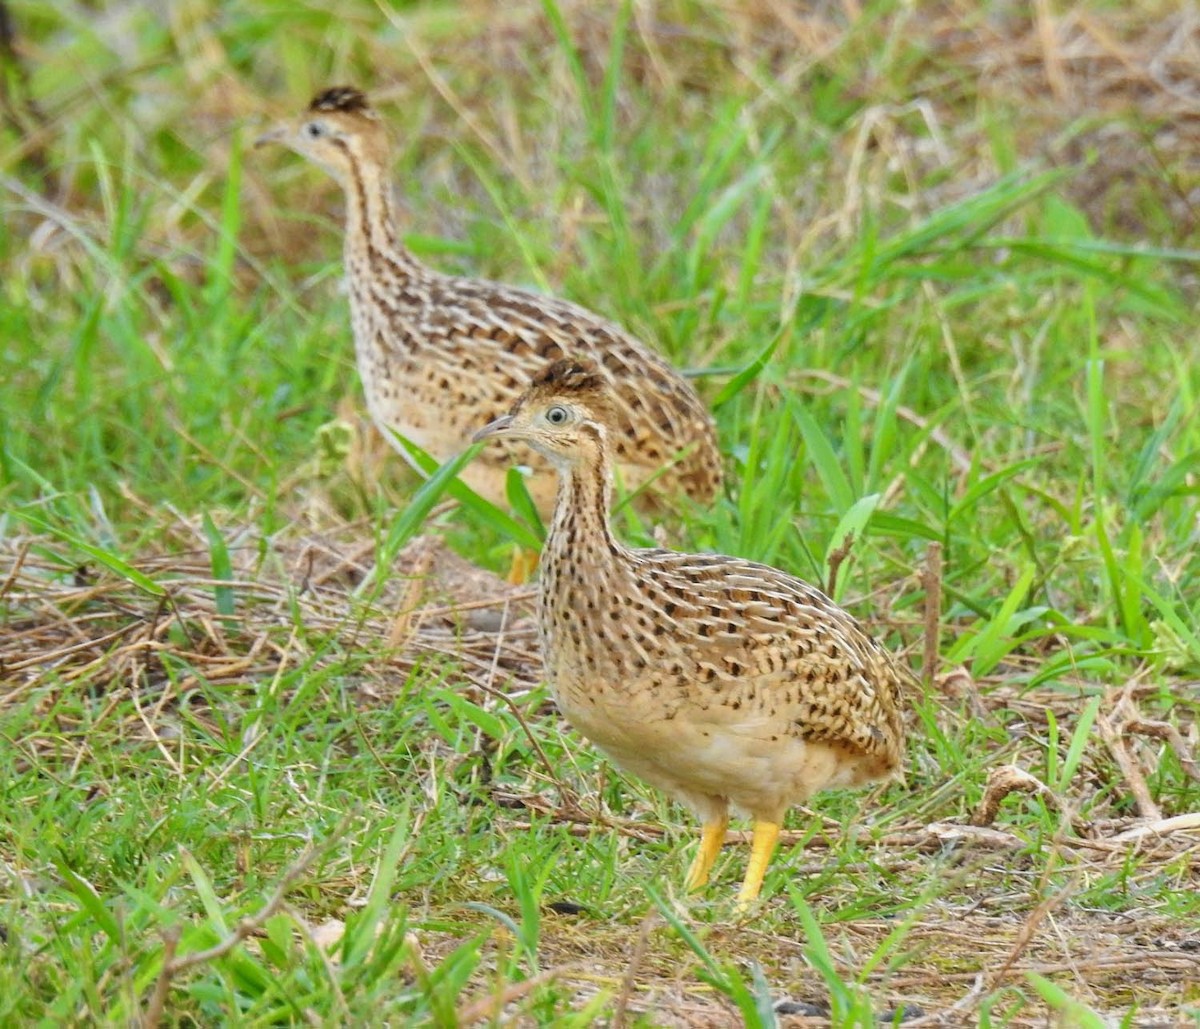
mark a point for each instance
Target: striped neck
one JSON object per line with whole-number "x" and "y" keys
{"x": 370, "y": 222}
{"x": 581, "y": 512}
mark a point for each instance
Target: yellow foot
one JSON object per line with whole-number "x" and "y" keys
{"x": 524, "y": 564}
{"x": 766, "y": 834}
{"x": 712, "y": 835}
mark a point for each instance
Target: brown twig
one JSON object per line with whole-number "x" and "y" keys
{"x": 1173, "y": 737}
{"x": 629, "y": 979}
{"x": 173, "y": 966}
{"x": 569, "y": 797}
{"x": 835, "y": 562}
{"x": 408, "y": 609}
{"x": 18, "y": 564}
{"x": 162, "y": 985}
{"x": 1003, "y": 781}
{"x": 1146, "y": 806}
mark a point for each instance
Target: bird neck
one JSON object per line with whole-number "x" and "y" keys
{"x": 581, "y": 513}
{"x": 370, "y": 221}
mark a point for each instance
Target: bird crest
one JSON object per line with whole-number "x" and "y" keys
{"x": 568, "y": 375}
{"x": 346, "y": 99}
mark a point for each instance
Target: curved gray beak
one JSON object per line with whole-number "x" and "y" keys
{"x": 496, "y": 428}
{"x": 273, "y": 135}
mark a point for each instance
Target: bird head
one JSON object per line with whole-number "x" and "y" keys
{"x": 340, "y": 131}
{"x": 564, "y": 414}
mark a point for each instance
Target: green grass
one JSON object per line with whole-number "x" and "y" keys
{"x": 914, "y": 327}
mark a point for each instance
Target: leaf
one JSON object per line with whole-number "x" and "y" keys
{"x": 989, "y": 647}
{"x": 471, "y": 712}
{"x": 91, "y": 902}
{"x": 717, "y": 976}
{"x": 522, "y": 503}
{"x": 1079, "y": 741}
{"x": 1073, "y": 1013}
{"x": 852, "y": 524}
{"x": 361, "y": 930}
{"x": 487, "y": 512}
{"x": 222, "y": 568}
{"x": 413, "y": 516}
{"x": 986, "y": 485}
{"x": 106, "y": 558}
{"x": 204, "y": 889}
{"x": 823, "y": 456}
{"x": 751, "y": 372}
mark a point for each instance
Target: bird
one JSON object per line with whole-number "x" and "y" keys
{"x": 725, "y": 683}
{"x": 439, "y": 354}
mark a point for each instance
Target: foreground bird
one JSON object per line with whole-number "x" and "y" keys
{"x": 439, "y": 355}
{"x": 723, "y": 682}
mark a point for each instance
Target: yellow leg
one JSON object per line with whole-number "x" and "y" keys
{"x": 712, "y": 835}
{"x": 766, "y": 834}
{"x": 524, "y": 564}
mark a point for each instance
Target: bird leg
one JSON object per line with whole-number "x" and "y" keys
{"x": 766, "y": 834}
{"x": 712, "y": 836}
{"x": 524, "y": 564}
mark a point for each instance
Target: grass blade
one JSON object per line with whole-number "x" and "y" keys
{"x": 222, "y": 568}
{"x": 105, "y": 557}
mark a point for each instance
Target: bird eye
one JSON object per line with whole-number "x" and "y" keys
{"x": 557, "y": 416}
{"x": 314, "y": 129}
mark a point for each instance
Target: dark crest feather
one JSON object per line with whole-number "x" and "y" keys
{"x": 340, "y": 98}
{"x": 567, "y": 375}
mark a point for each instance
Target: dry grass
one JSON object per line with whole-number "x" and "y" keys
{"x": 294, "y": 599}
{"x": 298, "y": 601}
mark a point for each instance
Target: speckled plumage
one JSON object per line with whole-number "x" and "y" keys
{"x": 439, "y": 355}
{"x": 724, "y": 682}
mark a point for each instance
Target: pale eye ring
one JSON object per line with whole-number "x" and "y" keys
{"x": 557, "y": 416}
{"x": 313, "y": 130}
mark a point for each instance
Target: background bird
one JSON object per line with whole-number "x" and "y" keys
{"x": 440, "y": 354}
{"x": 725, "y": 683}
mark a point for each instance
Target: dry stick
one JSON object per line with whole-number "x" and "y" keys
{"x": 965, "y": 1003}
{"x": 643, "y": 19}
{"x": 476, "y": 605}
{"x": 150, "y": 727}
{"x": 16, "y": 568}
{"x": 172, "y": 965}
{"x": 931, "y": 582}
{"x": 1129, "y": 769}
{"x": 569, "y": 797}
{"x": 1043, "y": 910}
{"x": 1001, "y": 782}
{"x": 836, "y": 559}
{"x": 629, "y": 979}
{"x": 1051, "y": 52}
{"x": 162, "y": 985}
{"x": 408, "y": 609}
{"x": 1165, "y": 731}
{"x": 53, "y": 655}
